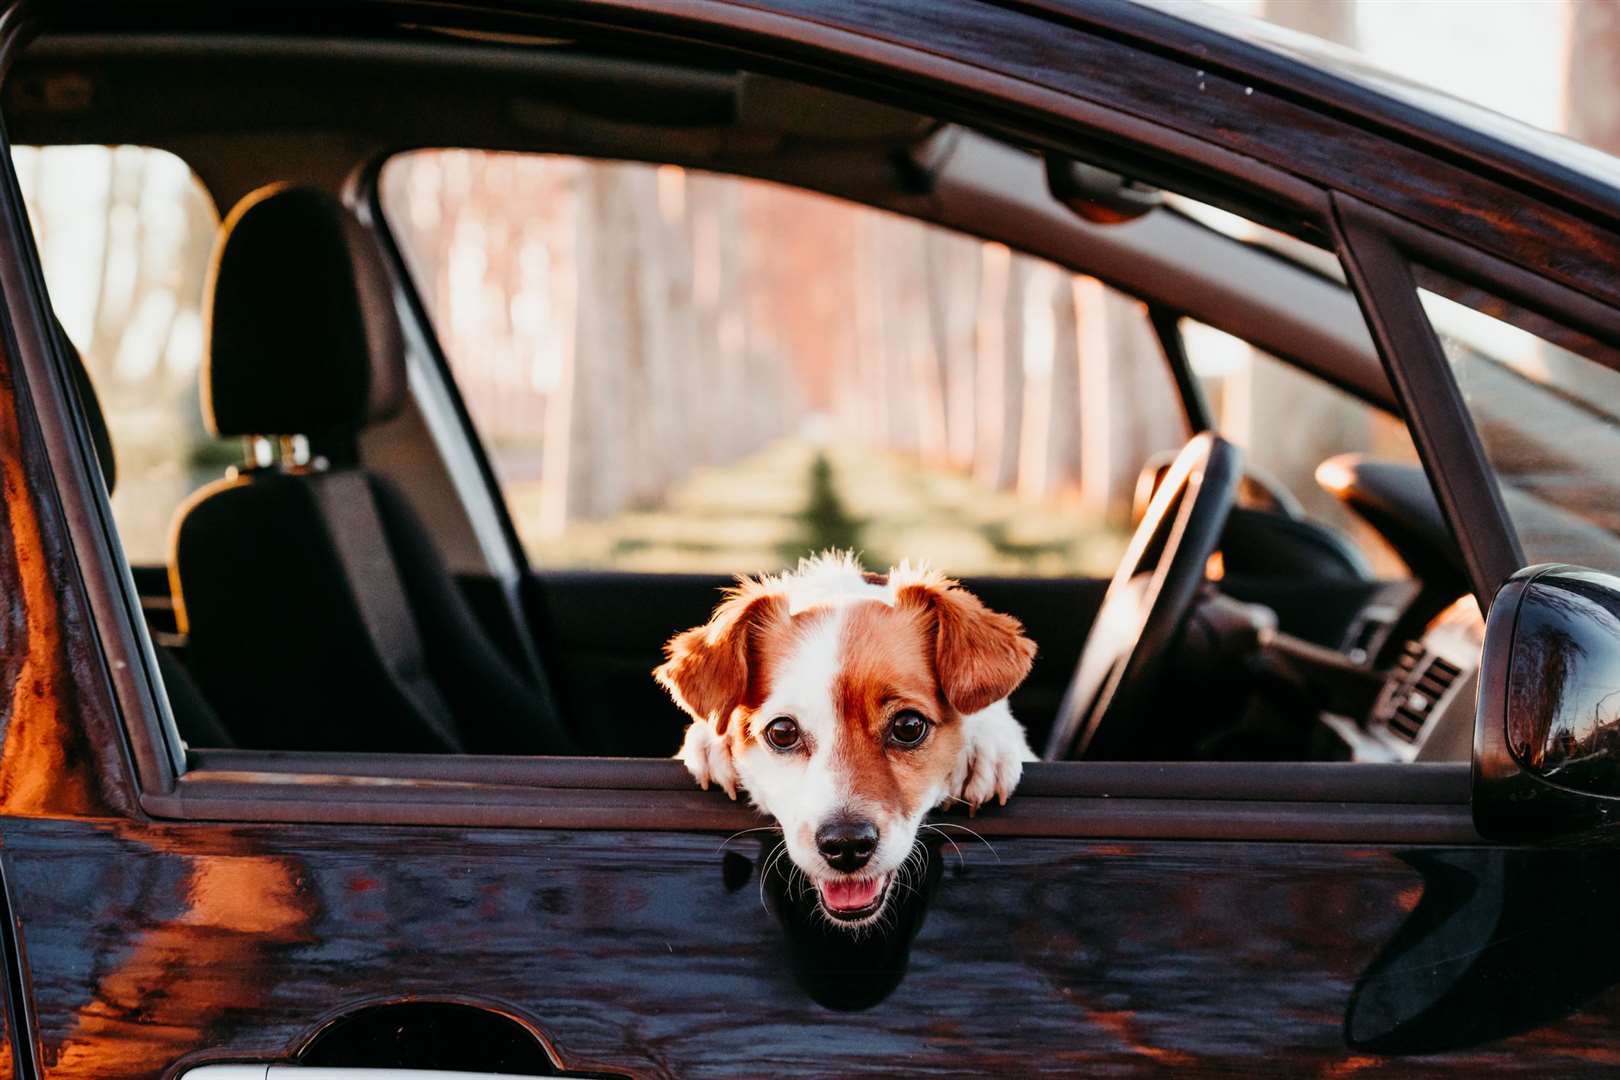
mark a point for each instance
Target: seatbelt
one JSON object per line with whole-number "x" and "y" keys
{"x": 357, "y": 535}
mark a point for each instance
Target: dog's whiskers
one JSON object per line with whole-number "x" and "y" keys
{"x": 745, "y": 832}
{"x": 775, "y": 856}
{"x": 962, "y": 859}
{"x": 953, "y": 825}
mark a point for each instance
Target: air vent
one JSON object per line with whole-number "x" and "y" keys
{"x": 1416, "y": 686}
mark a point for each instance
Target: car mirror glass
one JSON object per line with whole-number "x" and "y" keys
{"x": 1563, "y": 681}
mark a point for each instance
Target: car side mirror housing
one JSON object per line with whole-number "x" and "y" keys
{"x": 1547, "y": 730}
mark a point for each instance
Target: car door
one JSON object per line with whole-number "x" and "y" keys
{"x": 168, "y": 910}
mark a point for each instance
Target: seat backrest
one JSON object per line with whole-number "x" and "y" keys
{"x": 299, "y": 628}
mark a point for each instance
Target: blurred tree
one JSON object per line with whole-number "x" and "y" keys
{"x": 1131, "y": 409}
{"x": 999, "y": 340}
{"x": 825, "y": 523}
{"x": 1330, "y": 20}
{"x": 1289, "y": 430}
{"x": 1592, "y": 73}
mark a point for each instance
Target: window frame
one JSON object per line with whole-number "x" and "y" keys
{"x": 1405, "y": 803}
{"x": 1382, "y": 253}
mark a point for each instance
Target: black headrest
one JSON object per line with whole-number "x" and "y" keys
{"x": 302, "y": 335}
{"x": 92, "y": 409}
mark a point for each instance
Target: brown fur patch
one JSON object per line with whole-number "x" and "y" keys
{"x": 774, "y": 641}
{"x": 713, "y": 669}
{"x": 980, "y": 655}
{"x": 886, "y": 666}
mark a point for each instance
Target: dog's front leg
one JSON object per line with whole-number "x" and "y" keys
{"x": 707, "y": 757}
{"x": 994, "y": 749}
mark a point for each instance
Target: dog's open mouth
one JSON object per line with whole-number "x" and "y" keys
{"x": 853, "y": 899}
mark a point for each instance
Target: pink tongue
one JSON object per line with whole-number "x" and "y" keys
{"x": 849, "y": 894}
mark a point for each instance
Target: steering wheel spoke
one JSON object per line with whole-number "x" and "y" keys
{"x": 1147, "y": 601}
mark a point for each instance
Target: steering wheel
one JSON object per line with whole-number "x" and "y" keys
{"x": 1148, "y": 599}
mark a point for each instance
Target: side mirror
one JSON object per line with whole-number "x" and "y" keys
{"x": 1547, "y": 731}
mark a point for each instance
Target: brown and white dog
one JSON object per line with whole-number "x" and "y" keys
{"x": 849, "y": 705}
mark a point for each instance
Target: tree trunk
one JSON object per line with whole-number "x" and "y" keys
{"x": 953, "y": 287}
{"x": 1330, "y": 20}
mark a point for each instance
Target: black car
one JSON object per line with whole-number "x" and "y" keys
{"x": 352, "y": 759}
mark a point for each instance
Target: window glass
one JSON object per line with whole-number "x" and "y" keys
{"x": 1316, "y": 259}
{"x": 679, "y": 371}
{"x": 125, "y": 235}
{"x": 1546, "y": 404}
{"x": 1289, "y": 422}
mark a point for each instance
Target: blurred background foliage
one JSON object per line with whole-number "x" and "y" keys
{"x": 683, "y": 372}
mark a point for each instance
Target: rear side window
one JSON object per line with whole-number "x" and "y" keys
{"x": 125, "y": 235}
{"x": 677, "y": 371}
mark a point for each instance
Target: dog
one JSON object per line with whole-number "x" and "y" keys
{"x": 849, "y": 705}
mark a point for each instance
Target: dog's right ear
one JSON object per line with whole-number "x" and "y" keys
{"x": 708, "y": 667}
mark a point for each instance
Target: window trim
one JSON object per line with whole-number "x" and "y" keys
{"x": 1505, "y": 280}
{"x": 1313, "y": 802}
{"x": 364, "y": 197}
{"x": 1447, "y": 442}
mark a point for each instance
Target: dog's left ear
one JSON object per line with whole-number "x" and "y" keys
{"x": 980, "y": 656}
{"x": 707, "y": 670}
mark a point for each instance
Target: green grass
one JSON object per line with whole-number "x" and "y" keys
{"x": 794, "y": 497}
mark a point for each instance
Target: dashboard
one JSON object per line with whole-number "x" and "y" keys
{"x": 1425, "y": 710}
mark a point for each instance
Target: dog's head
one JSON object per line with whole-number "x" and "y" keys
{"x": 839, "y": 697}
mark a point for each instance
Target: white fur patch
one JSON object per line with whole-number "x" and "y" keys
{"x": 994, "y": 749}
{"x": 806, "y": 788}
{"x": 832, "y": 578}
{"x": 801, "y": 791}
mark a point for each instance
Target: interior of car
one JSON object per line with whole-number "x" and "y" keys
{"x": 352, "y": 576}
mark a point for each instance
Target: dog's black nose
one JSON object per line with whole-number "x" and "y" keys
{"x": 847, "y": 844}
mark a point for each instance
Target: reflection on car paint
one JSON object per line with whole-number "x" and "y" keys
{"x": 149, "y": 942}
{"x": 61, "y": 751}
{"x": 1502, "y": 942}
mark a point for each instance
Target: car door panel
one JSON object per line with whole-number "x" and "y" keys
{"x": 641, "y": 953}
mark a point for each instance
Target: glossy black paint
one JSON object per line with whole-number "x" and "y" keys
{"x": 1546, "y": 757}
{"x": 1563, "y": 693}
{"x": 1487, "y": 951}
{"x": 635, "y": 953}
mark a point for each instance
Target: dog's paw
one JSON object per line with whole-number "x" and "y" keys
{"x": 994, "y": 750}
{"x": 707, "y": 757}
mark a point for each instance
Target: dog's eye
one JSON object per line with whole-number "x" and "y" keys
{"x": 782, "y": 733}
{"x": 908, "y": 729}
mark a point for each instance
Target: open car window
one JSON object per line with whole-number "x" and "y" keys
{"x": 124, "y": 233}
{"x": 678, "y": 371}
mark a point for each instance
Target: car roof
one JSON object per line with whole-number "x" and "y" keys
{"x": 1339, "y": 80}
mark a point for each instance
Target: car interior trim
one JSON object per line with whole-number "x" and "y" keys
{"x": 1167, "y": 328}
